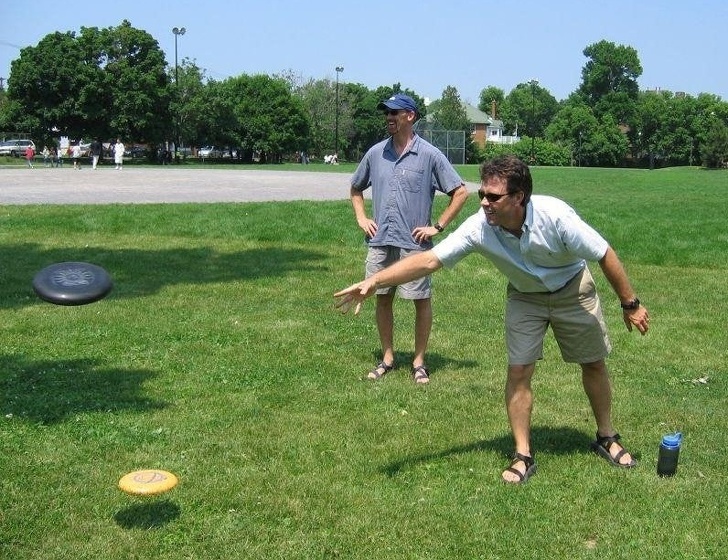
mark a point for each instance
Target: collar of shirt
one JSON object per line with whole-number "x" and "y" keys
{"x": 412, "y": 146}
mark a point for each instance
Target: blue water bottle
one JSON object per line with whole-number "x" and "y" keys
{"x": 668, "y": 454}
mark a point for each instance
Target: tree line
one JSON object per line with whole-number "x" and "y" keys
{"x": 115, "y": 82}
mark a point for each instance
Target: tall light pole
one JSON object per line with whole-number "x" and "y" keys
{"x": 339, "y": 69}
{"x": 177, "y": 32}
{"x": 533, "y": 84}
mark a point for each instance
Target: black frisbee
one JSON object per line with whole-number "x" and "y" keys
{"x": 72, "y": 283}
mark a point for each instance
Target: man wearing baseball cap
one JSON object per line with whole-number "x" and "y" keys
{"x": 404, "y": 172}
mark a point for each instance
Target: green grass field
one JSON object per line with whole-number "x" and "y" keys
{"x": 219, "y": 357}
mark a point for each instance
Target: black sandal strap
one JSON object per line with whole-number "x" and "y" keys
{"x": 527, "y": 459}
{"x": 607, "y": 441}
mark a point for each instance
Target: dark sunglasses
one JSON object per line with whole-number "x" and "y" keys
{"x": 490, "y": 197}
{"x": 392, "y": 111}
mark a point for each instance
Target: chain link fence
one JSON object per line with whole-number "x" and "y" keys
{"x": 449, "y": 142}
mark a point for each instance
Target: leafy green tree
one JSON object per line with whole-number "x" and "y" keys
{"x": 56, "y": 63}
{"x": 488, "y": 96}
{"x": 215, "y": 119}
{"x": 608, "y": 144}
{"x": 319, "y": 100}
{"x": 451, "y": 113}
{"x": 609, "y": 80}
{"x": 528, "y": 109}
{"x": 573, "y": 127}
{"x": 103, "y": 83}
{"x": 367, "y": 125}
{"x": 138, "y": 85}
{"x": 714, "y": 149}
{"x": 267, "y": 118}
{"x": 188, "y": 106}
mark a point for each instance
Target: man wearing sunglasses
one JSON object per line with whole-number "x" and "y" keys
{"x": 404, "y": 172}
{"x": 542, "y": 247}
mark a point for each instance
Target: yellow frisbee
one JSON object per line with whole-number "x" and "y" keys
{"x": 147, "y": 482}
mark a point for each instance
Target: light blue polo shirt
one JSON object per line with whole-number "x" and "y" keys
{"x": 554, "y": 246}
{"x": 403, "y": 189}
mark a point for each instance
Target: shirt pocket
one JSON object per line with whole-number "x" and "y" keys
{"x": 410, "y": 180}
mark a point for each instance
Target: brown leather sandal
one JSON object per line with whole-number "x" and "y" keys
{"x": 522, "y": 476}
{"x": 380, "y": 371}
{"x": 420, "y": 374}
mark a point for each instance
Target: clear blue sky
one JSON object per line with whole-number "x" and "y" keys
{"x": 425, "y": 45}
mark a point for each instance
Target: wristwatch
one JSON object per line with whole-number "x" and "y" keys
{"x": 630, "y": 305}
{"x": 438, "y": 227}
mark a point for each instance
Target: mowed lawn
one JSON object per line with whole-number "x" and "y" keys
{"x": 219, "y": 357}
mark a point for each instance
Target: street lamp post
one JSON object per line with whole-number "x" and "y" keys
{"x": 533, "y": 84}
{"x": 339, "y": 69}
{"x": 580, "y": 133}
{"x": 177, "y": 32}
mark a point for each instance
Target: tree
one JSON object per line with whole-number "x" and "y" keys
{"x": 138, "y": 86}
{"x": 103, "y": 83}
{"x": 451, "y": 113}
{"x": 609, "y": 80}
{"x": 714, "y": 149}
{"x": 267, "y": 118}
{"x": 366, "y": 126}
{"x": 528, "y": 109}
{"x": 573, "y": 126}
{"x": 188, "y": 104}
{"x": 319, "y": 100}
{"x": 488, "y": 96}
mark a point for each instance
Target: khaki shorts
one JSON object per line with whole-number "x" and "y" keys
{"x": 574, "y": 314}
{"x": 379, "y": 258}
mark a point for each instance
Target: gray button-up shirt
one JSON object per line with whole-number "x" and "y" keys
{"x": 403, "y": 189}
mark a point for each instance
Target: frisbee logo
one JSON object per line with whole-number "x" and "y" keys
{"x": 147, "y": 482}
{"x": 149, "y": 477}
{"x": 73, "y": 277}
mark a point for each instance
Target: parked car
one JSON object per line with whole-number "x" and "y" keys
{"x": 15, "y": 148}
{"x": 135, "y": 152}
{"x": 209, "y": 152}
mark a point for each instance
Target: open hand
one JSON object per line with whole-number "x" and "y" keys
{"x": 354, "y": 296}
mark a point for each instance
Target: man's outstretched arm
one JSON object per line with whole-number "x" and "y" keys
{"x": 401, "y": 272}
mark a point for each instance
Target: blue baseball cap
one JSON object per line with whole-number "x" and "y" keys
{"x": 399, "y": 101}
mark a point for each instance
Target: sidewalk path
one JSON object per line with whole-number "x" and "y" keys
{"x": 105, "y": 185}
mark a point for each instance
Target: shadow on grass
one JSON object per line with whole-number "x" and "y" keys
{"x": 148, "y": 515}
{"x": 554, "y": 441}
{"x": 138, "y": 272}
{"x": 435, "y": 362}
{"x": 51, "y": 391}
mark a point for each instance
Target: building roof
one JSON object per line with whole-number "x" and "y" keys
{"x": 476, "y": 116}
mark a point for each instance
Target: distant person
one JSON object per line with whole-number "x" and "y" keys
{"x": 404, "y": 172}
{"x": 46, "y": 156}
{"x": 542, "y": 246}
{"x": 119, "y": 154}
{"x": 29, "y": 156}
{"x": 76, "y": 156}
{"x": 96, "y": 148}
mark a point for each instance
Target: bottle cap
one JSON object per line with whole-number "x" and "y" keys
{"x": 672, "y": 440}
